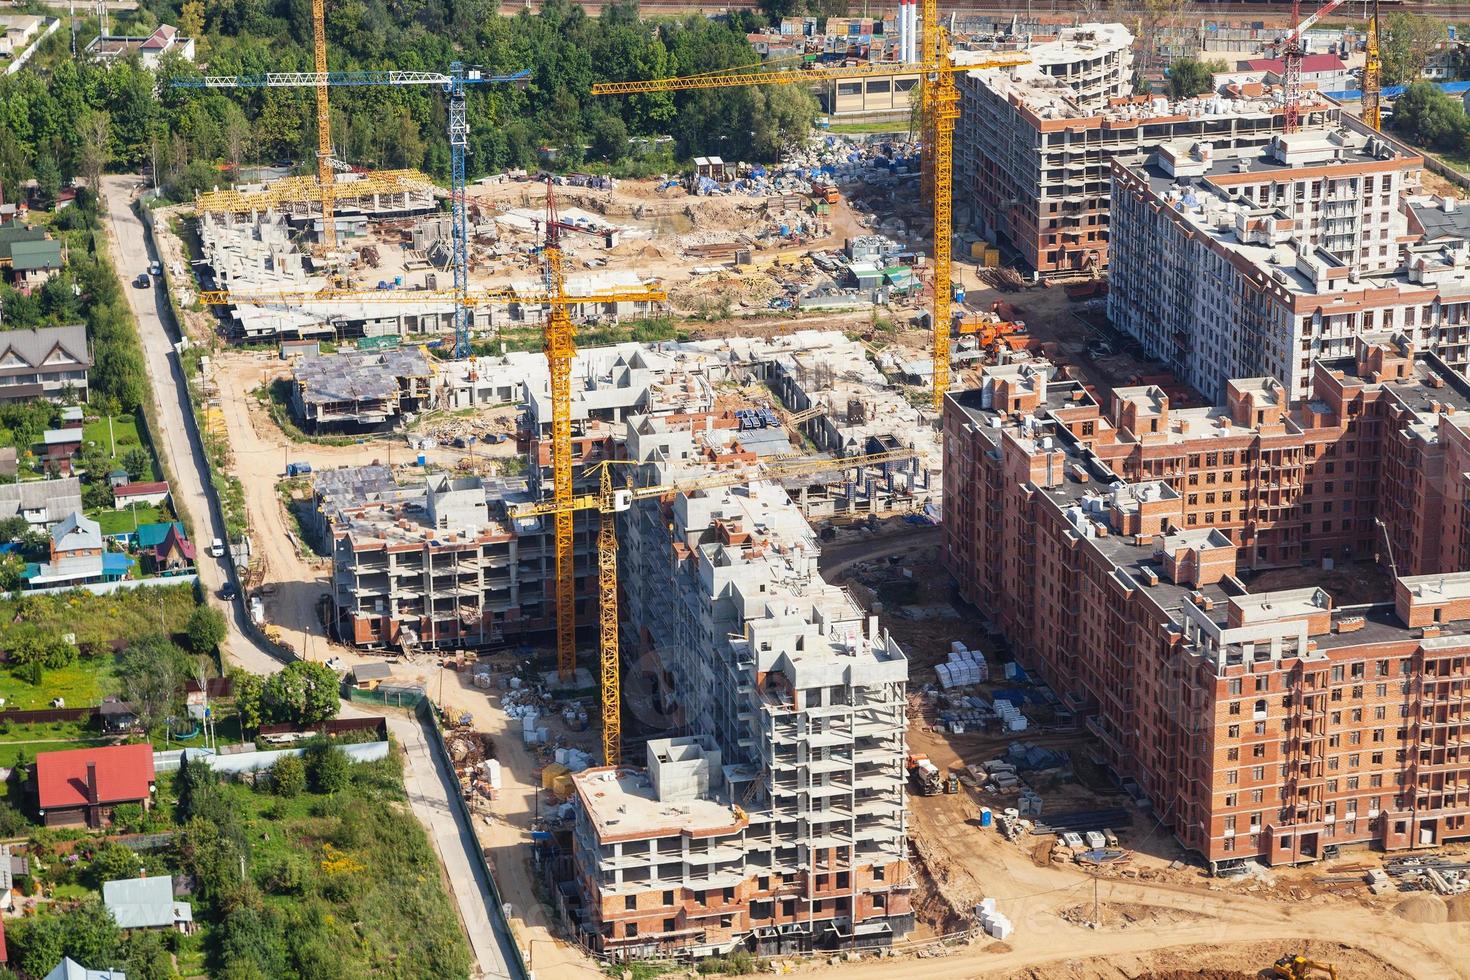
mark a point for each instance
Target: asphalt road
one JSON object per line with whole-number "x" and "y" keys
{"x": 429, "y": 786}
{"x": 177, "y": 439}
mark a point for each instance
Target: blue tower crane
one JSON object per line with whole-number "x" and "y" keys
{"x": 453, "y": 84}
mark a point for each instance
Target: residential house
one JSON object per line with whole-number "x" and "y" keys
{"x": 46, "y": 362}
{"x": 117, "y": 716}
{"x": 12, "y": 866}
{"x": 59, "y": 447}
{"x": 118, "y": 478}
{"x": 150, "y": 536}
{"x": 41, "y": 502}
{"x": 82, "y": 786}
{"x": 1446, "y": 61}
{"x": 150, "y": 50}
{"x": 32, "y": 264}
{"x": 70, "y": 969}
{"x": 367, "y": 677}
{"x": 77, "y": 557}
{"x": 174, "y": 555}
{"x": 147, "y": 903}
{"x": 148, "y": 494}
{"x": 17, "y": 31}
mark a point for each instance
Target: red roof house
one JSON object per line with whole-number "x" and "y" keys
{"x": 82, "y": 786}
{"x": 139, "y": 493}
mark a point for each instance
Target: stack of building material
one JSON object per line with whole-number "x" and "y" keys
{"x": 992, "y": 920}
{"x": 963, "y": 667}
{"x": 491, "y": 769}
{"x": 1030, "y": 802}
{"x": 1010, "y": 716}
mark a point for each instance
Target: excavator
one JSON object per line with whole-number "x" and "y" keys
{"x": 1296, "y": 966}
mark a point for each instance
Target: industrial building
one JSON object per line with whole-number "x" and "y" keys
{"x": 1249, "y": 262}
{"x": 1113, "y": 549}
{"x": 773, "y": 814}
{"x": 1034, "y": 142}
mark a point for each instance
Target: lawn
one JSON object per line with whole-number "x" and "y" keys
{"x": 11, "y": 752}
{"x": 116, "y": 436}
{"x": 83, "y": 684}
{"x": 123, "y": 521}
{"x": 881, "y": 126}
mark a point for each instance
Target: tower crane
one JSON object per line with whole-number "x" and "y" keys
{"x": 611, "y": 500}
{"x": 453, "y": 83}
{"x": 1372, "y": 103}
{"x": 1293, "y": 50}
{"x": 939, "y": 98}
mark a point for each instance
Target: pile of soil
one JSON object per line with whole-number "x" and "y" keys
{"x": 1422, "y": 908}
{"x": 1459, "y": 908}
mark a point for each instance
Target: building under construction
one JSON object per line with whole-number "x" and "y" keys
{"x": 491, "y": 578}
{"x": 357, "y": 391}
{"x": 771, "y": 815}
{"x": 1112, "y": 546}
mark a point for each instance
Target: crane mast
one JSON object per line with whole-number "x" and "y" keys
{"x": 325, "y": 175}
{"x": 1372, "y": 104}
{"x": 1293, "y": 51}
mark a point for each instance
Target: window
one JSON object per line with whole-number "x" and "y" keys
{"x": 668, "y": 898}
{"x": 630, "y": 903}
{"x": 1258, "y": 773}
{"x": 1233, "y": 731}
{"x": 1230, "y": 799}
{"x": 670, "y": 925}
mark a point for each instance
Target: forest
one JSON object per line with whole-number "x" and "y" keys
{"x": 73, "y": 117}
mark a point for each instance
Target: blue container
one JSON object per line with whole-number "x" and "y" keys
{"x": 398, "y": 280}
{"x": 422, "y": 459}
{"x": 985, "y": 816}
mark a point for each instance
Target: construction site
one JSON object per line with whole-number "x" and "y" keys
{"x": 889, "y": 551}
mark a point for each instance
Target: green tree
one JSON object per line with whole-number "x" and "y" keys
{"x": 1408, "y": 40}
{"x": 29, "y": 644}
{"x": 302, "y": 693}
{"x": 249, "y": 693}
{"x": 288, "y": 776}
{"x": 147, "y": 956}
{"x": 327, "y": 768}
{"x": 113, "y": 862}
{"x": 137, "y": 462}
{"x": 154, "y": 672}
{"x": 206, "y": 629}
{"x": 1189, "y": 77}
{"x": 48, "y": 178}
{"x": 86, "y": 933}
{"x": 1429, "y": 117}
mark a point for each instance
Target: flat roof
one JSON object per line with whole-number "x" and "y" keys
{"x": 621, "y": 804}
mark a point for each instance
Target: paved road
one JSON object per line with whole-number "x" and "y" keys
{"x": 177, "y": 440}
{"x": 429, "y": 786}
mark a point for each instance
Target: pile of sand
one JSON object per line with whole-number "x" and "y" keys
{"x": 1423, "y": 908}
{"x": 1459, "y": 908}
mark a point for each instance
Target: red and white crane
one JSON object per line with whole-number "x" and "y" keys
{"x": 1291, "y": 55}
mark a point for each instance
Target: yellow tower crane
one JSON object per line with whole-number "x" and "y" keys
{"x": 611, "y": 500}
{"x": 325, "y": 173}
{"x": 1372, "y": 104}
{"x": 939, "y": 97}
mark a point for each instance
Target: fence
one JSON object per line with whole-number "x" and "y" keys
{"x": 41, "y": 716}
{"x": 393, "y": 697}
{"x": 105, "y": 588}
{"x": 515, "y": 961}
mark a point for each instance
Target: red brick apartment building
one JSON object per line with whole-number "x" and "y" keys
{"x": 1110, "y": 548}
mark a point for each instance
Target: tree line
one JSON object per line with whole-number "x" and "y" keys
{"x": 74, "y": 117}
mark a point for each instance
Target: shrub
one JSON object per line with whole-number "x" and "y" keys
{"x": 288, "y": 776}
{"x": 327, "y": 768}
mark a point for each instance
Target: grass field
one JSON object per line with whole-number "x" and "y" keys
{"x": 861, "y": 128}
{"x": 121, "y": 521}
{"x": 122, "y": 436}
{"x": 83, "y": 684}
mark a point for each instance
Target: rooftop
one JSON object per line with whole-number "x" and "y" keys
{"x": 359, "y": 376}
{"x": 124, "y": 773}
{"x": 621, "y": 803}
{"x": 145, "y": 903}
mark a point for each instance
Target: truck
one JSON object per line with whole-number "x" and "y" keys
{"x": 298, "y": 469}
{"x": 925, "y": 776}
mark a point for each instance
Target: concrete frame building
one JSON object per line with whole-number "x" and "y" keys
{"x": 783, "y": 827}
{"x": 360, "y": 390}
{"x": 1240, "y": 263}
{"x": 1033, "y": 142}
{"x": 1110, "y": 548}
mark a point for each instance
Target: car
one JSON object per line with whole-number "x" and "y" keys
{"x": 155, "y": 268}
{"x": 216, "y": 548}
{"x": 143, "y": 281}
{"x": 228, "y": 592}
